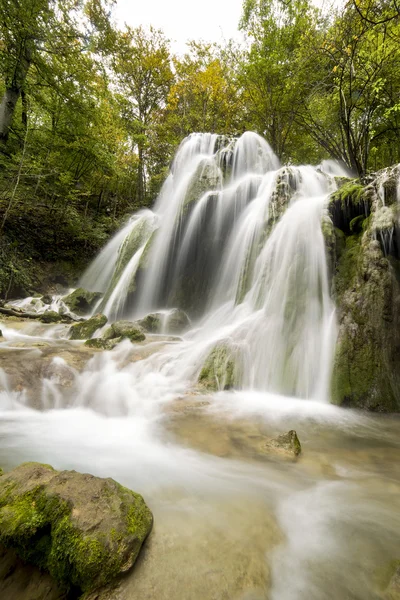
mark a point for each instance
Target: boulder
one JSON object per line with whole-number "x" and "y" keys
{"x": 83, "y": 530}
{"x": 152, "y": 323}
{"x": 50, "y": 316}
{"x": 124, "y": 329}
{"x": 85, "y": 330}
{"x": 392, "y": 592}
{"x": 177, "y": 321}
{"x": 47, "y": 299}
{"x": 81, "y": 301}
{"x": 287, "y": 444}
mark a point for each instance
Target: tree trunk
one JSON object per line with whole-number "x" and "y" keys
{"x": 7, "y": 108}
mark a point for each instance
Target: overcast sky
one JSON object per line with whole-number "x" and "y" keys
{"x": 182, "y": 20}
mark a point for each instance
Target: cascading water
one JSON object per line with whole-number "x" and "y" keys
{"x": 236, "y": 241}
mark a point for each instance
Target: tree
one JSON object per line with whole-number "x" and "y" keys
{"x": 142, "y": 64}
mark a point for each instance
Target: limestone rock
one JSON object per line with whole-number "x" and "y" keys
{"x": 124, "y": 329}
{"x": 85, "y": 330}
{"x": 81, "y": 301}
{"x": 83, "y": 530}
{"x": 287, "y": 444}
{"x": 220, "y": 371}
{"x": 50, "y": 316}
{"x": 101, "y": 344}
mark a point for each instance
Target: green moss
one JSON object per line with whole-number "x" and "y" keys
{"x": 50, "y": 316}
{"x": 101, "y": 344}
{"x": 53, "y": 532}
{"x": 124, "y": 330}
{"x": 351, "y": 192}
{"x": 81, "y": 301}
{"x": 85, "y": 330}
{"x": 220, "y": 370}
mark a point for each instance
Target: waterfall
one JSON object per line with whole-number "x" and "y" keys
{"x": 235, "y": 240}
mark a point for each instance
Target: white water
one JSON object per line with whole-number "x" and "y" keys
{"x": 230, "y": 522}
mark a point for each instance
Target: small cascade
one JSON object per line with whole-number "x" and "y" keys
{"x": 235, "y": 240}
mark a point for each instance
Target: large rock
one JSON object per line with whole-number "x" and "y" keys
{"x": 124, "y": 329}
{"x": 83, "y": 530}
{"x": 81, "y": 301}
{"x": 392, "y": 592}
{"x": 176, "y": 321}
{"x": 85, "y": 329}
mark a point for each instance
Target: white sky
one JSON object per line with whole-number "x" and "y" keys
{"x": 182, "y": 20}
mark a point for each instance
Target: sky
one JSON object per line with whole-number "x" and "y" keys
{"x": 182, "y": 20}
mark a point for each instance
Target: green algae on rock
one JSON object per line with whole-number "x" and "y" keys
{"x": 220, "y": 369}
{"x": 101, "y": 344}
{"x": 366, "y": 289}
{"x": 124, "y": 329}
{"x": 85, "y": 330}
{"x": 287, "y": 444}
{"x": 84, "y": 530}
{"x": 81, "y": 301}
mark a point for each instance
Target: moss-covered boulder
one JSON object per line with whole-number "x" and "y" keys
{"x": 83, "y": 530}
{"x": 287, "y": 444}
{"x": 82, "y": 301}
{"x": 101, "y": 344}
{"x": 47, "y": 299}
{"x": 124, "y": 329}
{"x": 152, "y": 322}
{"x": 50, "y": 316}
{"x": 366, "y": 290}
{"x": 86, "y": 329}
{"x": 220, "y": 370}
{"x": 177, "y": 321}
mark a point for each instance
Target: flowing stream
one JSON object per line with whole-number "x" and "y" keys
{"x": 236, "y": 241}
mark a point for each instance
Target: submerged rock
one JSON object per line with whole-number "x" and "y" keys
{"x": 152, "y": 323}
{"x": 392, "y": 591}
{"x": 85, "y": 531}
{"x": 85, "y": 330}
{"x": 287, "y": 444}
{"x": 124, "y": 329}
{"x": 81, "y": 301}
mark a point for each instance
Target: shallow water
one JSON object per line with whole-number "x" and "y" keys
{"x": 231, "y": 520}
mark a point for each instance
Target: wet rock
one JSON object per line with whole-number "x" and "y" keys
{"x": 392, "y": 591}
{"x": 86, "y": 329}
{"x": 20, "y": 581}
{"x": 151, "y": 323}
{"x": 47, "y": 299}
{"x": 124, "y": 329}
{"x": 50, "y": 316}
{"x": 287, "y": 444}
{"x": 177, "y": 321}
{"x": 101, "y": 344}
{"x": 220, "y": 370}
{"x": 81, "y": 301}
{"x": 83, "y": 530}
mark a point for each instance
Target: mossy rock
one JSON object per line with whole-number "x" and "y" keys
{"x": 287, "y": 444}
{"x": 101, "y": 344}
{"x": 50, "y": 316}
{"x": 81, "y": 301}
{"x": 85, "y": 531}
{"x": 124, "y": 329}
{"x": 152, "y": 322}
{"x": 46, "y": 299}
{"x": 86, "y": 329}
{"x": 177, "y": 321}
{"x": 220, "y": 369}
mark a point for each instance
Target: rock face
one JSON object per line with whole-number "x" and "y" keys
{"x": 83, "y": 530}
{"x": 85, "y": 330}
{"x": 287, "y": 444}
{"x": 124, "y": 329}
{"x": 81, "y": 301}
{"x": 366, "y": 289}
